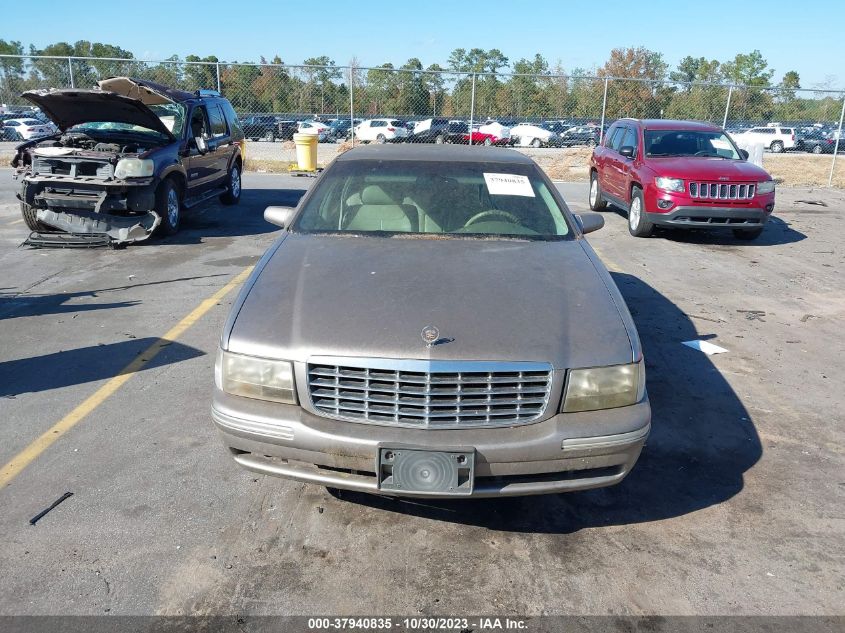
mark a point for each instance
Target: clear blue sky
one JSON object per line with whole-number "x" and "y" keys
{"x": 805, "y": 36}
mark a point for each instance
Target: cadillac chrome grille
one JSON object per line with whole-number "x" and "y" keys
{"x": 721, "y": 191}
{"x": 431, "y": 394}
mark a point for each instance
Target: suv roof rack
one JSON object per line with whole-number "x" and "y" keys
{"x": 204, "y": 92}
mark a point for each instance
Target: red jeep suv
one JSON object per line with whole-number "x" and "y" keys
{"x": 679, "y": 174}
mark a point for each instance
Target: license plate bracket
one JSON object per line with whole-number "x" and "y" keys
{"x": 410, "y": 470}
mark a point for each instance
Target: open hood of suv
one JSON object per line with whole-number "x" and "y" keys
{"x": 70, "y": 107}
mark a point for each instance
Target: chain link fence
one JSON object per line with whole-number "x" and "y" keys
{"x": 538, "y": 110}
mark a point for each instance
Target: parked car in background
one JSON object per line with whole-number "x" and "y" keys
{"x": 431, "y": 130}
{"x": 311, "y": 126}
{"x": 26, "y": 129}
{"x": 821, "y": 143}
{"x": 491, "y": 133}
{"x": 381, "y": 131}
{"x": 775, "y": 139}
{"x": 588, "y": 135}
{"x": 457, "y": 132}
{"x": 679, "y": 174}
{"x": 285, "y": 129}
{"x": 340, "y": 129}
{"x": 378, "y": 397}
{"x": 260, "y": 126}
{"x": 130, "y": 158}
{"x": 530, "y": 135}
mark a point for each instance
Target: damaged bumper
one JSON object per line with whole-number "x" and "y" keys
{"x": 122, "y": 211}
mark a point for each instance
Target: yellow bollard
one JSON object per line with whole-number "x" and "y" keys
{"x": 306, "y": 151}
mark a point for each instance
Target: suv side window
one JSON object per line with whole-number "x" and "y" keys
{"x": 199, "y": 123}
{"x": 630, "y": 139}
{"x": 609, "y": 135}
{"x": 218, "y": 123}
{"x": 377, "y": 124}
{"x": 616, "y": 140}
{"x": 232, "y": 118}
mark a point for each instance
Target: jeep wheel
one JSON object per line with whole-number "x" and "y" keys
{"x": 168, "y": 207}
{"x": 536, "y": 143}
{"x": 746, "y": 235}
{"x": 638, "y": 224}
{"x": 817, "y": 149}
{"x": 777, "y": 147}
{"x": 380, "y": 139}
{"x": 233, "y": 186}
{"x": 30, "y": 218}
{"x": 597, "y": 202}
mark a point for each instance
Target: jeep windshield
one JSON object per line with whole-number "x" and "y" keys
{"x": 454, "y": 198}
{"x": 711, "y": 144}
{"x": 172, "y": 115}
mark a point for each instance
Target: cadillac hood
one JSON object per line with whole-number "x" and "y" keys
{"x": 70, "y": 107}
{"x": 490, "y": 300}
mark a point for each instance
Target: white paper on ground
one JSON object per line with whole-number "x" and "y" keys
{"x": 508, "y": 185}
{"x": 704, "y": 346}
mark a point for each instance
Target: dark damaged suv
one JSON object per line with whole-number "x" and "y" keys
{"x": 129, "y": 157}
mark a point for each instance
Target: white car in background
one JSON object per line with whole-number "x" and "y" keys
{"x": 773, "y": 138}
{"x": 496, "y": 129}
{"x": 527, "y": 135}
{"x": 381, "y": 131}
{"x": 312, "y": 127}
{"x": 26, "y": 129}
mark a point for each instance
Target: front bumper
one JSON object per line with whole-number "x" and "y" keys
{"x": 711, "y": 217}
{"x": 566, "y": 452}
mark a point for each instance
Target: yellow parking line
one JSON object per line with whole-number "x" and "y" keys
{"x": 16, "y": 222}
{"x": 20, "y": 461}
{"x": 611, "y": 265}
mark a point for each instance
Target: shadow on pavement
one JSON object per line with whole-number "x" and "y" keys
{"x": 84, "y": 364}
{"x": 702, "y": 442}
{"x": 246, "y": 218}
{"x": 26, "y": 305}
{"x": 777, "y": 231}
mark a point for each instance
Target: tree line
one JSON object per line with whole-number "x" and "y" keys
{"x": 643, "y": 84}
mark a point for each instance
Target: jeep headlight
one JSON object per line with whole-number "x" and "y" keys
{"x": 670, "y": 184}
{"x": 253, "y": 377}
{"x": 604, "y": 387}
{"x": 766, "y": 187}
{"x": 134, "y": 168}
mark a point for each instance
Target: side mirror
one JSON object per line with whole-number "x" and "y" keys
{"x": 627, "y": 151}
{"x": 744, "y": 154}
{"x": 590, "y": 222}
{"x": 202, "y": 146}
{"x": 280, "y": 216}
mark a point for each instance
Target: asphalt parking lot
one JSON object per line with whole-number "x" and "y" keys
{"x": 735, "y": 507}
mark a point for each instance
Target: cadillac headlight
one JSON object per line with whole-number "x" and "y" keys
{"x": 766, "y": 187}
{"x": 134, "y": 168}
{"x": 670, "y": 184}
{"x": 604, "y": 387}
{"x": 253, "y": 377}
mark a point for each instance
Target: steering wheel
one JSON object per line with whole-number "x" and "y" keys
{"x": 510, "y": 217}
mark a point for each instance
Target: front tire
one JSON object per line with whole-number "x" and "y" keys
{"x": 536, "y": 143}
{"x": 233, "y": 186}
{"x": 30, "y": 218}
{"x": 169, "y": 207}
{"x": 638, "y": 224}
{"x": 817, "y": 149}
{"x": 777, "y": 147}
{"x": 488, "y": 141}
{"x": 597, "y": 202}
{"x": 440, "y": 139}
{"x": 747, "y": 235}
{"x": 380, "y": 139}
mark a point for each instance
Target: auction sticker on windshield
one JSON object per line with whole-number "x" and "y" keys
{"x": 508, "y": 185}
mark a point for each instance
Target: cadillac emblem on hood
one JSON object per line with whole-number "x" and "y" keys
{"x": 430, "y": 335}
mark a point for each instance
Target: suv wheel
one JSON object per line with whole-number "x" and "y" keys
{"x": 536, "y": 142}
{"x": 638, "y": 225}
{"x": 777, "y": 147}
{"x": 591, "y": 142}
{"x": 380, "y": 139}
{"x": 817, "y": 149}
{"x": 439, "y": 139}
{"x": 597, "y": 202}
{"x": 747, "y": 234}
{"x": 270, "y": 136}
{"x": 30, "y": 218}
{"x": 233, "y": 186}
{"x": 168, "y": 206}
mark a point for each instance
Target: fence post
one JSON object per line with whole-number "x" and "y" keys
{"x": 603, "y": 109}
{"x": 727, "y": 107}
{"x": 70, "y": 71}
{"x": 836, "y": 146}
{"x": 218, "y": 77}
{"x": 352, "y": 105}
{"x": 471, "y": 109}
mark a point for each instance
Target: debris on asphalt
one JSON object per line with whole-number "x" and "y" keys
{"x": 41, "y": 514}
{"x": 754, "y": 315}
{"x": 704, "y": 318}
{"x": 807, "y": 317}
{"x": 820, "y": 203}
{"x": 704, "y": 346}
